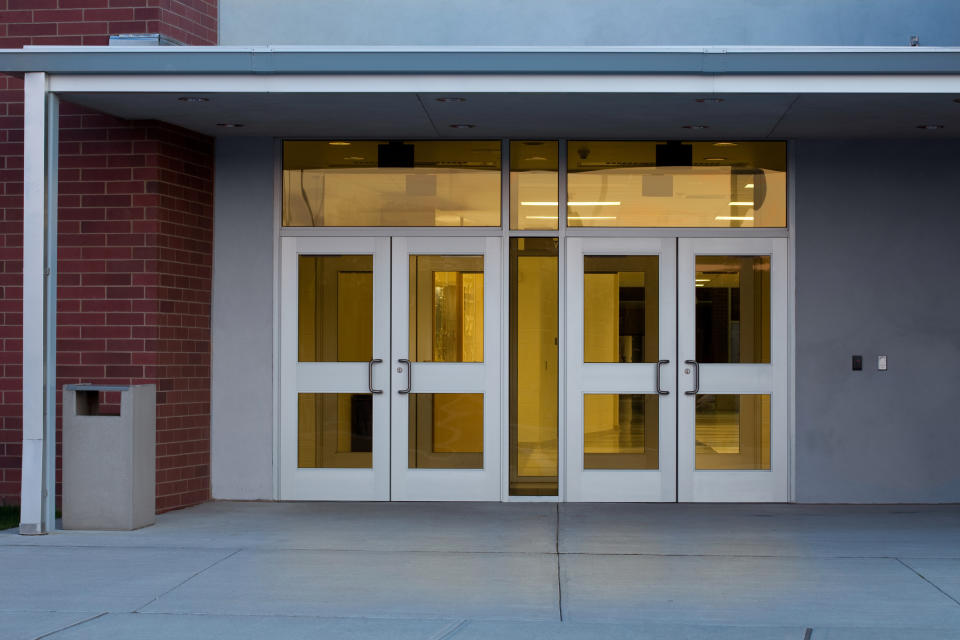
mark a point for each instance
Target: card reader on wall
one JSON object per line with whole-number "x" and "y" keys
{"x": 857, "y": 363}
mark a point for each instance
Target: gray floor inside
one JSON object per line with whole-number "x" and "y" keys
{"x": 480, "y": 570}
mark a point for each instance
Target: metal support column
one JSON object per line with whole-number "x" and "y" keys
{"x": 40, "y": 142}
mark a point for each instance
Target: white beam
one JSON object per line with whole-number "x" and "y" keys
{"x": 37, "y": 490}
{"x": 509, "y": 83}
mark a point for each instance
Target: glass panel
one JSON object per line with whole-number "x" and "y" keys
{"x": 335, "y": 430}
{"x": 534, "y": 318}
{"x": 733, "y": 431}
{"x": 534, "y": 171}
{"x": 335, "y": 308}
{"x": 733, "y": 309}
{"x": 674, "y": 184}
{"x": 620, "y": 431}
{"x": 620, "y": 309}
{"x": 446, "y": 308}
{"x": 446, "y": 431}
{"x": 395, "y": 183}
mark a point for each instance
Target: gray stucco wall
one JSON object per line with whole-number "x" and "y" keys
{"x": 876, "y": 234}
{"x": 877, "y": 230}
{"x": 589, "y": 22}
{"x": 242, "y": 322}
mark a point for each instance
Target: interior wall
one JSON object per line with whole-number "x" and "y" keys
{"x": 877, "y": 229}
{"x": 242, "y": 336}
{"x": 597, "y": 22}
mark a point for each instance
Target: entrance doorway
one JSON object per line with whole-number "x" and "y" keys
{"x": 390, "y": 381}
{"x": 392, "y": 373}
{"x": 676, "y": 370}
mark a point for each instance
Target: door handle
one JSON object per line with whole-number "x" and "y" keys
{"x": 409, "y": 376}
{"x": 660, "y": 364}
{"x": 696, "y": 377}
{"x": 370, "y": 375}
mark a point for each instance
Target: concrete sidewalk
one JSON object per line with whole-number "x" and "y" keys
{"x": 485, "y": 570}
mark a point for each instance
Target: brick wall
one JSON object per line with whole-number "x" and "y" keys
{"x": 91, "y": 22}
{"x": 136, "y": 217}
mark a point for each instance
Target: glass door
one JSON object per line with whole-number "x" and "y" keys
{"x": 334, "y": 341}
{"x": 445, "y": 382}
{"x": 732, "y": 354}
{"x": 621, "y": 370}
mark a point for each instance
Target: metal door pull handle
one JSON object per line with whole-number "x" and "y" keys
{"x": 409, "y": 375}
{"x": 660, "y": 364}
{"x": 696, "y": 377}
{"x": 370, "y": 375}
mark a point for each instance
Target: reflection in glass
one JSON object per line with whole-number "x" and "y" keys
{"x": 534, "y": 171}
{"x": 534, "y": 317}
{"x": 620, "y": 431}
{"x": 674, "y": 184}
{"x": 733, "y": 431}
{"x": 445, "y": 431}
{"x": 335, "y": 430}
{"x": 733, "y": 309}
{"x": 395, "y": 183}
{"x": 446, "y": 308}
{"x": 620, "y": 309}
{"x": 335, "y": 308}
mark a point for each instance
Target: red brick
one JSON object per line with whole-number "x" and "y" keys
{"x": 98, "y": 338}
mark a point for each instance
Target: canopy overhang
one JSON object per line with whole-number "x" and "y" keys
{"x": 599, "y": 92}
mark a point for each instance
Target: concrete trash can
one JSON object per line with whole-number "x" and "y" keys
{"x": 109, "y": 460}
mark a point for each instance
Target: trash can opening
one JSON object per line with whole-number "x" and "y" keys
{"x": 95, "y": 402}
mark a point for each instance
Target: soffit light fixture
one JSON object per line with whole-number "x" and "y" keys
{"x": 229, "y": 125}
{"x": 451, "y": 100}
{"x": 462, "y": 126}
{"x": 930, "y": 127}
{"x": 709, "y": 100}
{"x": 695, "y": 126}
{"x": 193, "y": 99}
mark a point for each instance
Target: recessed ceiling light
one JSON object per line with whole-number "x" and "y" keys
{"x": 339, "y": 143}
{"x": 535, "y": 158}
{"x": 724, "y": 144}
{"x": 714, "y": 159}
{"x": 462, "y": 126}
{"x": 709, "y": 100}
{"x": 229, "y": 125}
{"x": 451, "y": 99}
{"x": 193, "y": 99}
{"x": 930, "y": 127}
{"x": 695, "y": 126}
{"x": 355, "y": 158}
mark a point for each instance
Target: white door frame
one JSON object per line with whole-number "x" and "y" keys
{"x": 333, "y": 377}
{"x": 771, "y": 485}
{"x": 610, "y": 485}
{"x": 430, "y": 377}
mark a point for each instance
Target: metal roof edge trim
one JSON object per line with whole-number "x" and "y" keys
{"x": 295, "y": 61}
